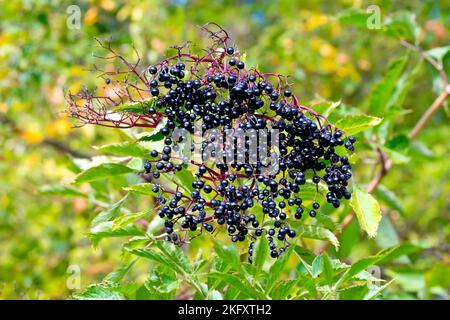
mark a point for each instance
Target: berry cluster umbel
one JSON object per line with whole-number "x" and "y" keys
{"x": 239, "y": 196}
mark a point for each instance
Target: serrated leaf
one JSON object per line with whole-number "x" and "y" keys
{"x": 397, "y": 157}
{"x": 350, "y": 237}
{"x": 126, "y": 219}
{"x": 354, "y": 292}
{"x": 326, "y": 108}
{"x": 374, "y": 292}
{"x": 383, "y": 256}
{"x": 109, "y": 213}
{"x": 316, "y": 232}
{"x": 104, "y": 170}
{"x": 260, "y": 252}
{"x": 176, "y": 255}
{"x": 316, "y": 266}
{"x": 99, "y": 292}
{"x": 327, "y": 222}
{"x": 390, "y": 254}
{"x": 142, "y": 188}
{"x": 149, "y": 254}
{"x": 229, "y": 254}
{"x": 403, "y": 25}
{"x": 367, "y": 210}
{"x": 353, "y": 124}
{"x": 124, "y": 149}
{"x": 60, "y": 190}
{"x": 277, "y": 268}
{"x": 238, "y": 283}
{"x": 183, "y": 178}
{"x": 401, "y": 89}
{"x": 282, "y": 289}
{"x": 155, "y": 134}
{"x": 438, "y": 53}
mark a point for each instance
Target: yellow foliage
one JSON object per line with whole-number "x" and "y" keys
{"x": 32, "y": 137}
{"x": 327, "y": 50}
{"x": 108, "y": 5}
{"x": 59, "y": 127}
{"x": 315, "y": 21}
{"x": 91, "y": 16}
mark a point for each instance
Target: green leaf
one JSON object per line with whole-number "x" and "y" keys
{"x": 60, "y": 190}
{"x": 356, "y": 268}
{"x": 260, "y": 252}
{"x": 326, "y": 221}
{"x": 183, "y": 178}
{"x": 403, "y": 25}
{"x": 383, "y": 256}
{"x": 175, "y": 255}
{"x": 100, "y": 292}
{"x": 376, "y": 291}
{"x": 328, "y": 269}
{"x": 152, "y": 137}
{"x": 354, "y": 17}
{"x": 326, "y": 108}
{"x": 408, "y": 279}
{"x": 354, "y": 292}
{"x": 126, "y": 219}
{"x": 109, "y": 213}
{"x": 367, "y": 210}
{"x": 117, "y": 275}
{"x": 151, "y": 255}
{"x": 229, "y": 254}
{"x": 101, "y": 171}
{"x": 277, "y": 268}
{"x": 316, "y": 267}
{"x": 142, "y": 188}
{"x": 383, "y": 90}
{"x": 155, "y": 134}
{"x": 136, "y": 107}
{"x": 104, "y": 230}
{"x": 124, "y": 149}
{"x": 396, "y": 252}
{"x": 353, "y": 124}
{"x": 316, "y": 232}
{"x": 283, "y": 288}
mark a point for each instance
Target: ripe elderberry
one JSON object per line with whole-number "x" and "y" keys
{"x": 239, "y": 196}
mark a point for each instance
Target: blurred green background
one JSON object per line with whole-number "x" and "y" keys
{"x": 326, "y": 51}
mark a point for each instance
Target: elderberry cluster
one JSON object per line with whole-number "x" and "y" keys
{"x": 239, "y": 195}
